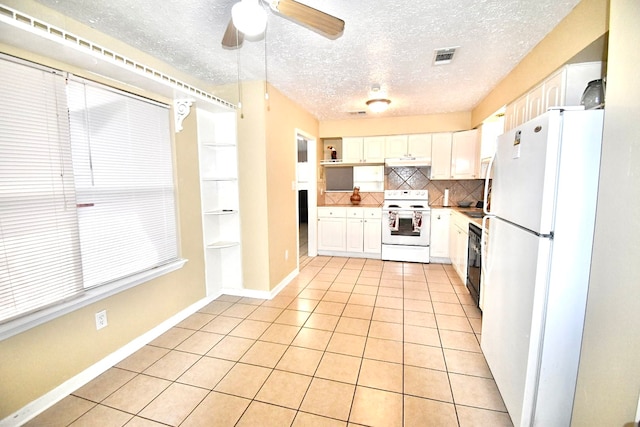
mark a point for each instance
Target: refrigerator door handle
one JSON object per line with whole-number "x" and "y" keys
{"x": 485, "y": 204}
{"x": 484, "y": 265}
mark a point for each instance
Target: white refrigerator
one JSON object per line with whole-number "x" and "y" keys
{"x": 537, "y": 261}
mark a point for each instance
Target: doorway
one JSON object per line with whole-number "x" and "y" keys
{"x": 306, "y": 196}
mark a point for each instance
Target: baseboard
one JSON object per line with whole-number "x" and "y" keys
{"x": 44, "y": 402}
{"x": 252, "y": 293}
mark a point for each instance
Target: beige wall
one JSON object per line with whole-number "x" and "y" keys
{"x": 609, "y": 373}
{"x": 585, "y": 24}
{"x": 38, "y": 360}
{"x": 284, "y": 117}
{"x": 395, "y": 125}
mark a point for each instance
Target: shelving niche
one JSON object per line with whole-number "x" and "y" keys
{"x": 218, "y": 157}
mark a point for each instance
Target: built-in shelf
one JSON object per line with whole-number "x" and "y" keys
{"x": 221, "y": 212}
{"x": 217, "y": 145}
{"x": 219, "y": 178}
{"x": 222, "y": 245}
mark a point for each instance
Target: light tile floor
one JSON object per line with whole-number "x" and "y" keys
{"x": 349, "y": 342}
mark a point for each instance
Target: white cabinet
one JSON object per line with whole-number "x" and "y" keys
{"x": 458, "y": 243}
{"x": 439, "y": 245}
{"x": 419, "y": 145}
{"x": 332, "y": 229}
{"x": 562, "y": 88}
{"x": 352, "y": 149}
{"x": 354, "y": 232}
{"x": 368, "y": 149}
{"x": 373, "y": 149}
{"x": 465, "y": 155}
{"x": 441, "y": 155}
{"x": 395, "y": 146}
{"x": 218, "y": 166}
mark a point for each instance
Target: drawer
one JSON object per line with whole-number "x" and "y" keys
{"x": 332, "y": 212}
{"x": 355, "y": 212}
{"x": 373, "y": 213}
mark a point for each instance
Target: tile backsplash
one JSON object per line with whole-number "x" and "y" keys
{"x": 414, "y": 178}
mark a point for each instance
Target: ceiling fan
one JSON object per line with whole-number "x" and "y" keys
{"x": 248, "y": 17}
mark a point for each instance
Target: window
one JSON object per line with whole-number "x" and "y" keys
{"x": 86, "y": 187}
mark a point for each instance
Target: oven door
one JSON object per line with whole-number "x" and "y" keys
{"x": 410, "y": 227}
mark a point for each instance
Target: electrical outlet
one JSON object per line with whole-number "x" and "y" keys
{"x": 101, "y": 319}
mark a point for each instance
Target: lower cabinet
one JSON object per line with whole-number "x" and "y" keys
{"x": 458, "y": 243}
{"x": 354, "y": 232}
{"x": 439, "y": 245}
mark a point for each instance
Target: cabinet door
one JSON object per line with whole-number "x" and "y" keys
{"x": 439, "y": 233}
{"x": 372, "y": 235}
{"x": 535, "y": 102}
{"x": 373, "y": 149}
{"x": 553, "y": 90}
{"x": 520, "y": 110}
{"x": 441, "y": 155}
{"x": 355, "y": 234}
{"x": 352, "y": 150}
{"x": 395, "y": 146}
{"x": 419, "y": 145}
{"x": 465, "y": 155}
{"x": 331, "y": 234}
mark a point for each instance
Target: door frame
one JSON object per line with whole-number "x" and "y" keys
{"x": 312, "y": 195}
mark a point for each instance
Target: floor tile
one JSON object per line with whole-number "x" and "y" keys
{"x": 293, "y": 317}
{"x": 376, "y": 408}
{"x": 392, "y": 315}
{"x": 243, "y": 380}
{"x": 467, "y": 362}
{"x": 200, "y": 342}
{"x": 102, "y": 416}
{"x": 172, "y": 338}
{"x": 427, "y": 383}
{"x": 231, "y": 348}
{"x": 264, "y": 353}
{"x": 418, "y": 305}
{"x": 143, "y": 422}
{"x": 174, "y": 404}
{"x": 249, "y": 329}
{"x": 196, "y": 321}
{"x": 300, "y": 360}
{"x": 453, "y": 323}
{"x": 353, "y": 326}
{"x": 312, "y": 338}
{"x": 329, "y": 307}
{"x": 333, "y": 296}
{"x": 419, "y": 318}
{"x": 284, "y": 389}
{"x": 216, "y": 307}
{"x": 222, "y": 325}
{"x": 137, "y": 393}
{"x": 477, "y": 392}
{"x": 304, "y": 419}
{"x": 303, "y": 304}
{"x": 381, "y": 375}
{"x": 239, "y": 310}
{"x": 447, "y": 297}
{"x": 358, "y": 311}
{"x": 328, "y": 398}
{"x": 281, "y": 334}
{"x": 63, "y": 413}
{"x": 206, "y": 372}
{"x": 142, "y": 359}
{"x": 424, "y": 356}
{"x": 386, "y": 331}
{"x": 265, "y": 415}
{"x": 365, "y": 289}
{"x": 470, "y": 417}
{"x": 217, "y": 409}
{"x": 339, "y": 367}
{"x": 420, "y": 335}
{"x": 279, "y": 301}
{"x": 265, "y": 314}
{"x": 362, "y": 299}
{"x": 105, "y": 384}
{"x": 326, "y": 322}
{"x": 352, "y": 345}
{"x": 384, "y": 350}
{"x": 459, "y": 341}
{"x": 419, "y": 412}
{"x": 389, "y": 302}
{"x": 172, "y": 365}
{"x": 313, "y": 294}
{"x": 448, "y": 308}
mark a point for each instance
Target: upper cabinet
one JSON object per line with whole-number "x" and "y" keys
{"x": 368, "y": 149}
{"x": 441, "y": 155}
{"x": 465, "y": 155}
{"x": 562, "y": 88}
{"x": 396, "y": 146}
{"x": 418, "y": 145}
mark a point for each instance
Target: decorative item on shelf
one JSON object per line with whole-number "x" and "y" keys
{"x": 355, "y": 197}
{"x": 334, "y": 153}
{"x": 593, "y": 95}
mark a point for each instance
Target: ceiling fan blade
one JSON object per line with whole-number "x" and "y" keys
{"x": 325, "y": 24}
{"x": 232, "y": 38}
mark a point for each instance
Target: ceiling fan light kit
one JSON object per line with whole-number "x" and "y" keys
{"x": 378, "y": 105}
{"x": 249, "y": 17}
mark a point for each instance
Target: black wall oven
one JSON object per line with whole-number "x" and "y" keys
{"x": 474, "y": 262}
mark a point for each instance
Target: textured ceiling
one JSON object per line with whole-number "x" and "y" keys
{"x": 386, "y": 42}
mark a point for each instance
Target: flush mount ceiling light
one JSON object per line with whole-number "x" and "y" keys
{"x": 378, "y": 102}
{"x": 249, "y": 17}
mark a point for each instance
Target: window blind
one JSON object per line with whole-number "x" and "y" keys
{"x": 122, "y": 162}
{"x": 39, "y": 240}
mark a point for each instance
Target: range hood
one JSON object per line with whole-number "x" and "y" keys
{"x": 407, "y": 161}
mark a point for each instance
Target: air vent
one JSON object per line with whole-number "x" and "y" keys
{"x": 444, "y": 55}
{"x": 358, "y": 113}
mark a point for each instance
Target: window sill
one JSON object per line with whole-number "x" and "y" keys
{"x": 24, "y": 323}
